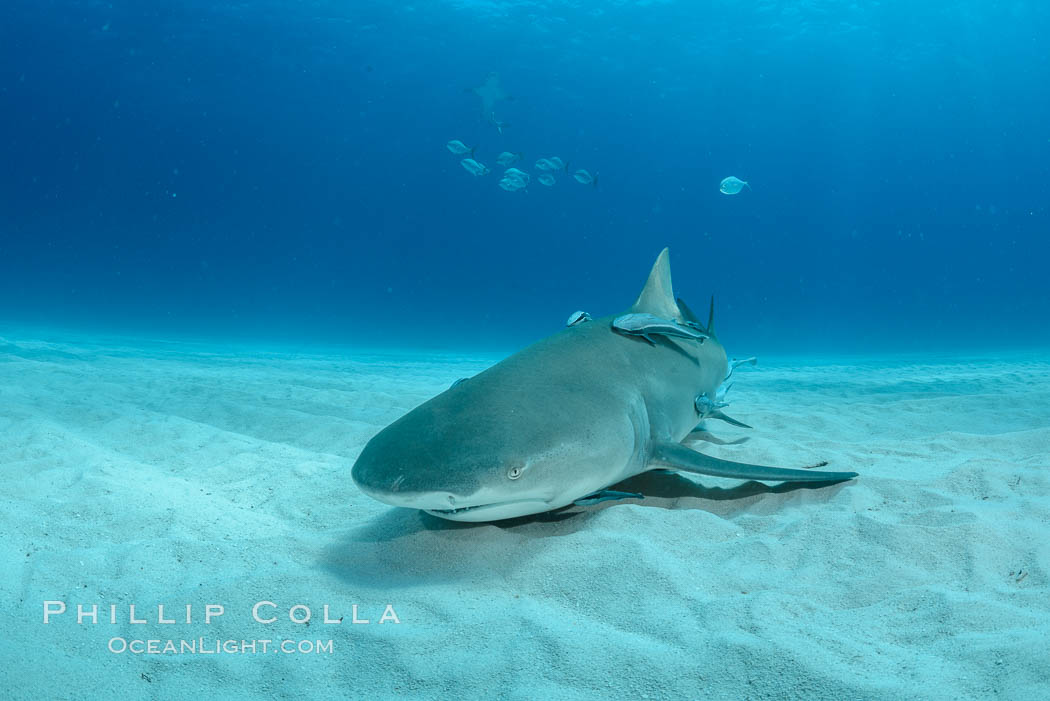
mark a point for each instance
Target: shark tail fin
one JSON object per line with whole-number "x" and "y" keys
{"x": 657, "y": 297}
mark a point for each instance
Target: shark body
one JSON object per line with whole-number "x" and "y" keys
{"x": 490, "y": 92}
{"x": 560, "y": 421}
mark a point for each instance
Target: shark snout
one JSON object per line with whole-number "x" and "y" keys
{"x": 439, "y": 490}
{"x": 396, "y": 491}
{"x": 421, "y": 462}
{"x": 425, "y": 501}
{"x": 412, "y": 483}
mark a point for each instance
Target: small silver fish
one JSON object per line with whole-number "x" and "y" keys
{"x": 732, "y": 185}
{"x": 514, "y": 180}
{"x": 507, "y": 158}
{"x": 546, "y": 179}
{"x": 515, "y": 174}
{"x": 577, "y": 318}
{"x": 558, "y": 163}
{"x": 544, "y": 164}
{"x": 473, "y": 167}
{"x": 646, "y": 324}
{"x": 459, "y": 148}
{"x": 512, "y": 184}
{"x": 582, "y": 176}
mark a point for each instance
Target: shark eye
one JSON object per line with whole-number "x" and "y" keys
{"x": 515, "y": 473}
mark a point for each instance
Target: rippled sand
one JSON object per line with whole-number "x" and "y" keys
{"x": 156, "y": 473}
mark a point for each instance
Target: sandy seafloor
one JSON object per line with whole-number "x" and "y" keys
{"x": 160, "y": 473}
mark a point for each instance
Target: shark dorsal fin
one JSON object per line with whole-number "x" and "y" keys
{"x": 657, "y": 297}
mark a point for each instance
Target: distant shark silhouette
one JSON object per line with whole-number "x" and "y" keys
{"x": 490, "y": 93}
{"x": 562, "y": 421}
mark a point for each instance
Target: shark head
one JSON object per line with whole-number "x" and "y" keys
{"x": 560, "y": 420}
{"x": 447, "y": 459}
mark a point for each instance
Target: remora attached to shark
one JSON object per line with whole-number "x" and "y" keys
{"x": 561, "y": 420}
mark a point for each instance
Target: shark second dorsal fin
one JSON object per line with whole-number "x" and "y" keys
{"x": 688, "y": 314}
{"x": 711, "y": 318}
{"x": 657, "y": 297}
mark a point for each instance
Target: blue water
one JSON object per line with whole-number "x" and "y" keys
{"x": 277, "y": 171}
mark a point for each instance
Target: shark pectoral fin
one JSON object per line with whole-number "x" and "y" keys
{"x": 699, "y": 434}
{"x": 605, "y": 495}
{"x": 678, "y": 457}
{"x": 717, "y": 414}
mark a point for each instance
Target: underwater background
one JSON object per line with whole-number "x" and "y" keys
{"x": 237, "y": 242}
{"x": 277, "y": 172}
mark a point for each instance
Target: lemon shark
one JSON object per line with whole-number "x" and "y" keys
{"x": 561, "y": 421}
{"x": 490, "y": 93}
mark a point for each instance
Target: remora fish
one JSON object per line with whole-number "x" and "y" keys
{"x": 559, "y": 422}
{"x": 646, "y": 324}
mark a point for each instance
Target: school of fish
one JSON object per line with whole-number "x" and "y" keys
{"x": 549, "y": 168}
{"x": 514, "y": 179}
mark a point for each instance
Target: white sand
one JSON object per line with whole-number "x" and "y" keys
{"x": 158, "y": 473}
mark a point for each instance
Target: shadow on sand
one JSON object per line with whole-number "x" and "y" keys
{"x": 404, "y": 548}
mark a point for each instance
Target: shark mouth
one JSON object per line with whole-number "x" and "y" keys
{"x": 494, "y": 511}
